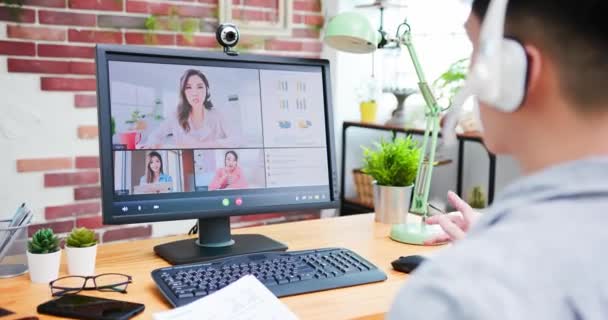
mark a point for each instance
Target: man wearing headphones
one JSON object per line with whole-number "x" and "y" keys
{"x": 537, "y": 253}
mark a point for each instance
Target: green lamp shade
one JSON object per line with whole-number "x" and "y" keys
{"x": 351, "y": 32}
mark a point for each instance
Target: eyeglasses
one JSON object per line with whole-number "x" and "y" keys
{"x": 108, "y": 282}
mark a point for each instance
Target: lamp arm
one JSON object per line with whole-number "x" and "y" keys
{"x": 425, "y": 168}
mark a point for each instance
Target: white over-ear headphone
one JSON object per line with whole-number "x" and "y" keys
{"x": 499, "y": 74}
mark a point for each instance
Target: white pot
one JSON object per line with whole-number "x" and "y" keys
{"x": 81, "y": 261}
{"x": 392, "y": 204}
{"x": 44, "y": 267}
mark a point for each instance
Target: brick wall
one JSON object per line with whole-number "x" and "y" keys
{"x": 47, "y": 56}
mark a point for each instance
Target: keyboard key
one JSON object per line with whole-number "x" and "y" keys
{"x": 269, "y": 282}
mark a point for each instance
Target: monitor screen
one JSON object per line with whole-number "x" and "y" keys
{"x": 192, "y": 135}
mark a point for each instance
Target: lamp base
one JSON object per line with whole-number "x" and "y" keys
{"x": 398, "y": 119}
{"x": 414, "y": 233}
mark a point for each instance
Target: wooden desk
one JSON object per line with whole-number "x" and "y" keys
{"x": 358, "y": 233}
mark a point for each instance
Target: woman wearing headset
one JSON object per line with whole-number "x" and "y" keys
{"x": 197, "y": 124}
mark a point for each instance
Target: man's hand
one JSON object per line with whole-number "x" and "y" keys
{"x": 455, "y": 224}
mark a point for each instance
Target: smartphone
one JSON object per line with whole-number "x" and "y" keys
{"x": 87, "y": 307}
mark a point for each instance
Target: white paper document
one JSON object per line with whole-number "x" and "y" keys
{"x": 245, "y": 299}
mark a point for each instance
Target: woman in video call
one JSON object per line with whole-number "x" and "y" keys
{"x": 197, "y": 124}
{"x": 230, "y": 176}
{"x": 154, "y": 170}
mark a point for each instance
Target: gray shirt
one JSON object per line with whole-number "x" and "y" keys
{"x": 540, "y": 252}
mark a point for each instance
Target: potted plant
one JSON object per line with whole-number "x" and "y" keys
{"x": 43, "y": 256}
{"x": 393, "y": 166}
{"x": 81, "y": 249}
{"x": 477, "y": 198}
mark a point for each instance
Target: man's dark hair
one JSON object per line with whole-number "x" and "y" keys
{"x": 573, "y": 34}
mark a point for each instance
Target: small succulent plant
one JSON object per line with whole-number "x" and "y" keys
{"x": 43, "y": 241}
{"x": 81, "y": 238}
{"x": 477, "y": 198}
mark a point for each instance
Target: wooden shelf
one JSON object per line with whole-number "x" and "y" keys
{"x": 471, "y": 135}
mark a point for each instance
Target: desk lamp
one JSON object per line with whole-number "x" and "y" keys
{"x": 352, "y": 32}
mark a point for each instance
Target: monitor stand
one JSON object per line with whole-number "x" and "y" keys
{"x": 215, "y": 241}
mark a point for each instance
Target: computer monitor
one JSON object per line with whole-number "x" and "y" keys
{"x": 202, "y": 135}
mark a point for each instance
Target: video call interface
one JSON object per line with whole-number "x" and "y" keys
{"x": 179, "y": 128}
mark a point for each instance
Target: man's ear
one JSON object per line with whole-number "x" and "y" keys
{"x": 535, "y": 69}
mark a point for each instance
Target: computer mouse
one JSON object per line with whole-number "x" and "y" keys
{"x": 408, "y": 264}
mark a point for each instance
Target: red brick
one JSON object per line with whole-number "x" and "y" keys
{"x": 110, "y": 5}
{"x": 314, "y": 20}
{"x": 19, "y": 15}
{"x": 253, "y": 15}
{"x": 127, "y": 233}
{"x": 71, "y": 210}
{"x": 35, "y": 33}
{"x": 85, "y": 101}
{"x": 45, "y": 3}
{"x": 149, "y": 39}
{"x": 147, "y": 7}
{"x": 257, "y": 3}
{"x": 197, "y": 41}
{"x": 87, "y": 193}
{"x": 70, "y": 179}
{"x": 67, "y": 18}
{"x": 57, "y": 227}
{"x": 56, "y": 50}
{"x": 307, "y": 5}
{"x": 309, "y": 19}
{"x": 315, "y": 46}
{"x": 15, "y": 48}
{"x": 195, "y": 11}
{"x": 37, "y": 66}
{"x": 67, "y": 84}
{"x": 82, "y": 68}
{"x": 306, "y": 33}
{"x": 88, "y": 132}
{"x": 89, "y": 222}
{"x": 94, "y": 36}
{"x": 43, "y": 164}
{"x": 121, "y": 21}
{"x": 282, "y": 45}
{"x": 87, "y": 162}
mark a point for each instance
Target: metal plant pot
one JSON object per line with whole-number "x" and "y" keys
{"x": 392, "y": 204}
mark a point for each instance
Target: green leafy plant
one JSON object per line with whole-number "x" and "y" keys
{"x": 113, "y": 126}
{"x": 81, "y": 238}
{"x": 43, "y": 241}
{"x": 477, "y": 198}
{"x": 393, "y": 163}
{"x": 172, "y": 22}
{"x": 135, "y": 116}
{"x": 448, "y": 83}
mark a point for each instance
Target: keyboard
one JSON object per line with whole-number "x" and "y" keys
{"x": 283, "y": 273}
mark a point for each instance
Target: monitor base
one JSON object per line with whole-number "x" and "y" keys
{"x": 187, "y": 251}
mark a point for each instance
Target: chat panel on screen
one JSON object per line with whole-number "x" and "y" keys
{"x": 229, "y": 169}
{"x": 293, "y": 108}
{"x": 296, "y": 167}
{"x": 151, "y": 172}
{"x": 167, "y": 106}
